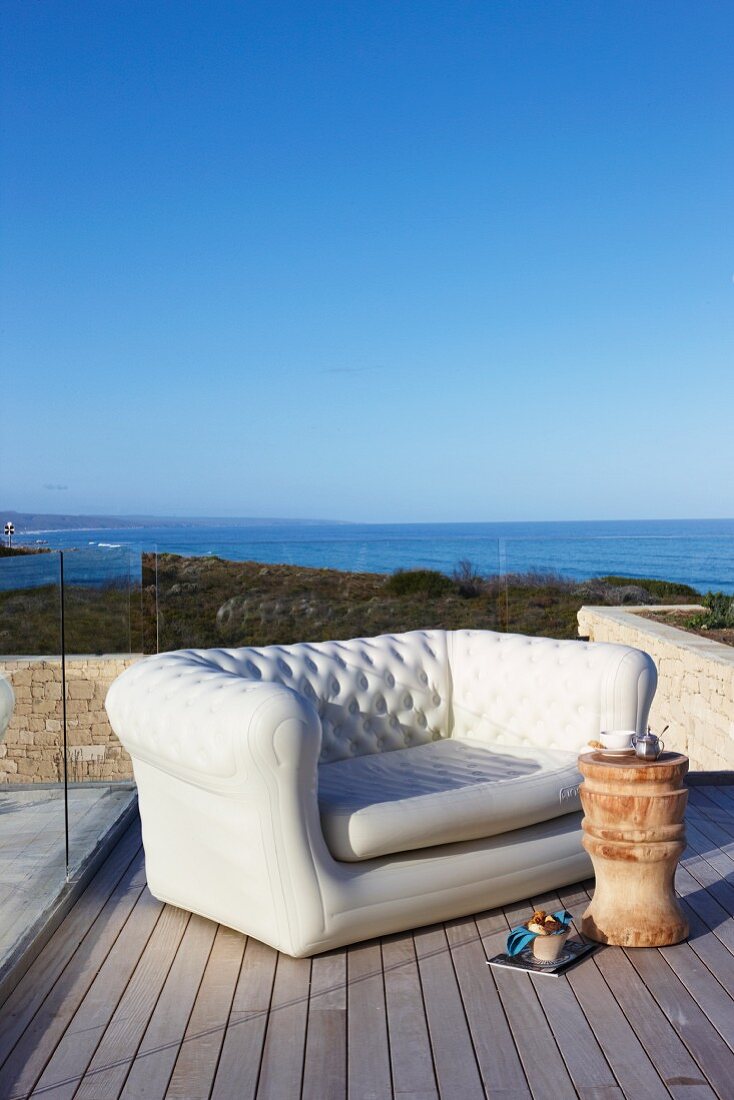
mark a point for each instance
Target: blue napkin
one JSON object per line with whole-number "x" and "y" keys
{"x": 519, "y": 938}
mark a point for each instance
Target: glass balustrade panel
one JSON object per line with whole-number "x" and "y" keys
{"x": 103, "y": 634}
{"x": 325, "y": 584}
{"x": 32, "y": 802}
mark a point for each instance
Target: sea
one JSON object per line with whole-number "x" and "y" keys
{"x": 695, "y": 552}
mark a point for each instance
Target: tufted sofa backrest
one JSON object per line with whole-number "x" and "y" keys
{"x": 378, "y": 694}
{"x": 517, "y": 690}
{"x": 372, "y": 694}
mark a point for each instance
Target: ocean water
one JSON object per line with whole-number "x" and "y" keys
{"x": 695, "y": 552}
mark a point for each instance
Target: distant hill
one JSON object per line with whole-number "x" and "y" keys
{"x": 29, "y": 522}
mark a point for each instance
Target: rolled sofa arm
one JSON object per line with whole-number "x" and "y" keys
{"x": 226, "y": 770}
{"x": 187, "y": 716}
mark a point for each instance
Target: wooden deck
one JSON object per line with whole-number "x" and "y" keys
{"x": 132, "y": 998}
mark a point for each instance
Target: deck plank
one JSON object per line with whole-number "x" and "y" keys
{"x": 109, "y": 1067}
{"x": 325, "y": 1064}
{"x": 156, "y": 1056}
{"x": 368, "y": 1060}
{"x": 281, "y": 1071}
{"x": 678, "y": 1070}
{"x": 710, "y": 949}
{"x": 457, "y": 1069}
{"x": 410, "y": 1046}
{"x": 196, "y": 1064}
{"x": 702, "y": 802}
{"x": 499, "y": 1062}
{"x": 35, "y": 1047}
{"x": 638, "y": 1078}
{"x": 66, "y": 1067}
{"x": 585, "y": 1060}
{"x": 701, "y": 844}
{"x": 706, "y": 908}
{"x": 723, "y": 797}
{"x": 541, "y": 1059}
{"x": 714, "y": 1057}
{"x": 706, "y": 986}
{"x": 706, "y": 892}
{"x": 713, "y": 839}
{"x": 239, "y": 1065}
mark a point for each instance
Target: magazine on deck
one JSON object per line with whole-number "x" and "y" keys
{"x": 573, "y": 952}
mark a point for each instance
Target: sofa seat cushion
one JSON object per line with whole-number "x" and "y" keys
{"x": 439, "y": 793}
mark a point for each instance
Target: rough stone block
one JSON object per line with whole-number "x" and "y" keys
{"x": 77, "y": 706}
{"x": 79, "y": 689}
{"x": 19, "y": 677}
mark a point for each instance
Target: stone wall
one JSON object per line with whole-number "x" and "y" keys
{"x": 32, "y": 750}
{"x": 695, "y": 694}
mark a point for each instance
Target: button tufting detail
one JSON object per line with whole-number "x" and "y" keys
{"x": 372, "y": 693}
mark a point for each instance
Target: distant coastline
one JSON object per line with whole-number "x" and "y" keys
{"x": 40, "y": 523}
{"x": 27, "y": 523}
{"x": 699, "y": 553}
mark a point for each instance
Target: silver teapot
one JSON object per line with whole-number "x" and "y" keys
{"x": 648, "y": 746}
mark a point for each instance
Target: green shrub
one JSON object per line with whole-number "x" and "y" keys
{"x": 18, "y": 551}
{"x": 419, "y": 582}
{"x": 719, "y": 613}
{"x": 662, "y": 589}
{"x": 468, "y": 580}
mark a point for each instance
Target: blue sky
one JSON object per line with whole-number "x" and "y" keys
{"x": 369, "y": 261}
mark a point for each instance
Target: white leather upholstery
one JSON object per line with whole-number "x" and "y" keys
{"x": 228, "y": 748}
{"x": 371, "y": 695}
{"x": 513, "y": 690}
{"x": 439, "y": 794}
{"x": 7, "y": 703}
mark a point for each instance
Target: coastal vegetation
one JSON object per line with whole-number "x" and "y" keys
{"x": 182, "y": 602}
{"x": 104, "y": 619}
{"x": 718, "y": 613}
{"x": 20, "y": 551}
{"x": 714, "y": 618}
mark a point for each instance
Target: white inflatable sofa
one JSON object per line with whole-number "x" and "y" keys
{"x": 314, "y": 795}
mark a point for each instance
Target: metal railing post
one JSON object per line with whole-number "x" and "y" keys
{"x": 63, "y": 708}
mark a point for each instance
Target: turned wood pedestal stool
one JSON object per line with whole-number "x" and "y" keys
{"x": 634, "y": 833}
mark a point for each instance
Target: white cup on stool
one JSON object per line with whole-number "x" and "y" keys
{"x": 617, "y": 740}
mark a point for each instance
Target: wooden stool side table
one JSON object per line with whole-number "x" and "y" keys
{"x": 634, "y": 832}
